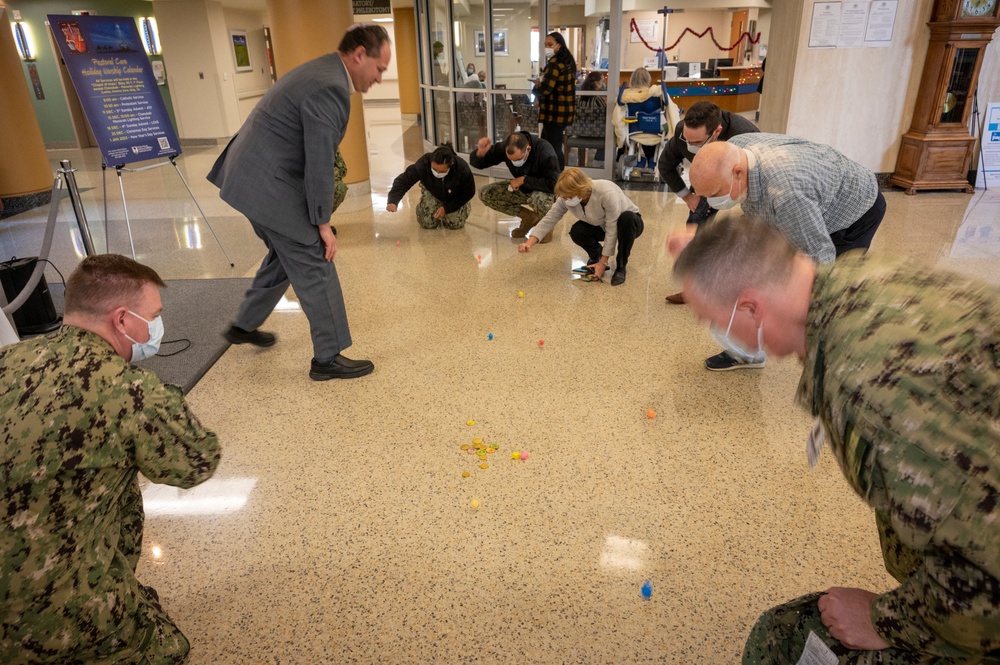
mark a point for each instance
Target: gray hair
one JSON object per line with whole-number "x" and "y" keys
{"x": 640, "y": 79}
{"x": 728, "y": 256}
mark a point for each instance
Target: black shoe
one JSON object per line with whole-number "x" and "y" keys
{"x": 723, "y": 362}
{"x": 340, "y": 368}
{"x": 256, "y": 337}
{"x": 618, "y": 277}
{"x": 701, "y": 213}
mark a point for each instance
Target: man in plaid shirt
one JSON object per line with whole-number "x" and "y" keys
{"x": 821, "y": 201}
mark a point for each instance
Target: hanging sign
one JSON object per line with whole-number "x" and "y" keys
{"x": 117, "y": 88}
{"x": 371, "y": 7}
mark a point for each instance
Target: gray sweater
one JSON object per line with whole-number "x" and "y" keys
{"x": 607, "y": 203}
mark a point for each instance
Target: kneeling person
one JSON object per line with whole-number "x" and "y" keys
{"x": 446, "y": 187}
{"x": 535, "y": 167}
{"x": 604, "y": 214}
{"x": 80, "y": 422}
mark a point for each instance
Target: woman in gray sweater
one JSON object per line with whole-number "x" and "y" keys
{"x": 606, "y": 218}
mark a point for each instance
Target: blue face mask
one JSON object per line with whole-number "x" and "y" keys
{"x": 733, "y": 347}
{"x": 439, "y": 175}
{"x": 520, "y": 162}
{"x": 148, "y": 349}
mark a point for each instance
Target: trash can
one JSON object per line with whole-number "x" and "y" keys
{"x": 37, "y": 315}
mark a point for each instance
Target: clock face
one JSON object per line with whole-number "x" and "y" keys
{"x": 978, "y": 7}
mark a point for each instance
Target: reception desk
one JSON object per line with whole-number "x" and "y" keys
{"x": 735, "y": 90}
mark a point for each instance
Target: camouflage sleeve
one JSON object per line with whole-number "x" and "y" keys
{"x": 171, "y": 445}
{"x": 950, "y": 605}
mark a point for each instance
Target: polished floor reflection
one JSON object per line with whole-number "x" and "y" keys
{"x": 340, "y": 528}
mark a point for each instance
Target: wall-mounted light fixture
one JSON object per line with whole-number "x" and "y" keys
{"x": 150, "y": 35}
{"x": 22, "y": 37}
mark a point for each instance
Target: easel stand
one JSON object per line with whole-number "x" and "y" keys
{"x": 172, "y": 160}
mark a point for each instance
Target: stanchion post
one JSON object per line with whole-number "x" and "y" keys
{"x": 69, "y": 173}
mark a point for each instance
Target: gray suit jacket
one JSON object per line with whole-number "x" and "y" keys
{"x": 278, "y": 169}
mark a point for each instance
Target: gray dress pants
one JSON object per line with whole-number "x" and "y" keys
{"x": 316, "y": 285}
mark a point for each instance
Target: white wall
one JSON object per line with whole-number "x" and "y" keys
{"x": 188, "y": 53}
{"x": 860, "y": 100}
{"x": 250, "y": 86}
{"x": 764, "y": 28}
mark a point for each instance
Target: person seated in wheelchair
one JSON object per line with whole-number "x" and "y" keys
{"x": 644, "y": 117}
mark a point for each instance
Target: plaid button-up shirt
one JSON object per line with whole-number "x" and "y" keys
{"x": 805, "y": 190}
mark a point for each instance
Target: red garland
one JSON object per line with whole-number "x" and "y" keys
{"x": 633, "y": 27}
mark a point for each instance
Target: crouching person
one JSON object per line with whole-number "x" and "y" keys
{"x": 446, "y": 189}
{"x": 80, "y": 422}
{"x": 607, "y": 218}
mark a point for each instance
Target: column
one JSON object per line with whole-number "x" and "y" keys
{"x": 305, "y": 29}
{"x": 25, "y": 175}
{"x": 405, "y": 52}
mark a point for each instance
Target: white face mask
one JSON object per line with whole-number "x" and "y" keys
{"x": 735, "y": 348}
{"x": 695, "y": 148}
{"x": 724, "y": 202}
{"x": 439, "y": 175}
{"x": 148, "y": 349}
{"x": 549, "y": 52}
{"x": 520, "y": 162}
{"x": 575, "y": 201}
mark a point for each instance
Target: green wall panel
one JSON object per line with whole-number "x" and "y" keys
{"x": 53, "y": 112}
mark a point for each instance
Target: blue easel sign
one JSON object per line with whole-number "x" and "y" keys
{"x": 116, "y": 86}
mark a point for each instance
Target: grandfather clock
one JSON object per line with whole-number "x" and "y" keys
{"x": 937, "y": 151}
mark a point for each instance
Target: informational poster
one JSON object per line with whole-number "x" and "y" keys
{"x": 648, "y": 29}
{"x": 825, "y": 25}
{"x": 988, "y": 164}
{"x": 881, "y": 22}
{"x": 117, "y": 89}
{"x": 853, "y": 18}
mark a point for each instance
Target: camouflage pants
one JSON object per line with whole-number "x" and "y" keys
{"x": 496, "y": 196}
{"x": 339, "y": 188}
{"x": 779, "y": 637}
{"x": 146, "y": 634}
{"x": 429, "y": 205}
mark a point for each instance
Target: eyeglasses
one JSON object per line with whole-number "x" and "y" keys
{"x": 698, "y": 144}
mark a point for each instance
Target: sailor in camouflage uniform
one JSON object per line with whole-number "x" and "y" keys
{"x": 532, "y": 162}
{"x": 902, "y": 372}
{"x": 80, "y": 422}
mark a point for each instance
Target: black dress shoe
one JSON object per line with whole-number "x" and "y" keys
{"x": 256, "y": 337}
{"x": 618, "y": 277}
{"x": 340, "y": 368}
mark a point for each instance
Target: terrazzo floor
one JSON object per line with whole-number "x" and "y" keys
{"x": 339, "y": 527}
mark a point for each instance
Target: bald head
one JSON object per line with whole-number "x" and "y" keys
{"x": 713, "y": 168}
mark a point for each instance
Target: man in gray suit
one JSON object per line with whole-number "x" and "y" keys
{"x": 279, "y": 171}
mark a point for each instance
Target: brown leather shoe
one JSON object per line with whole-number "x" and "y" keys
{"x": 676, "y": 298}
{"x": 547, "y": 238}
